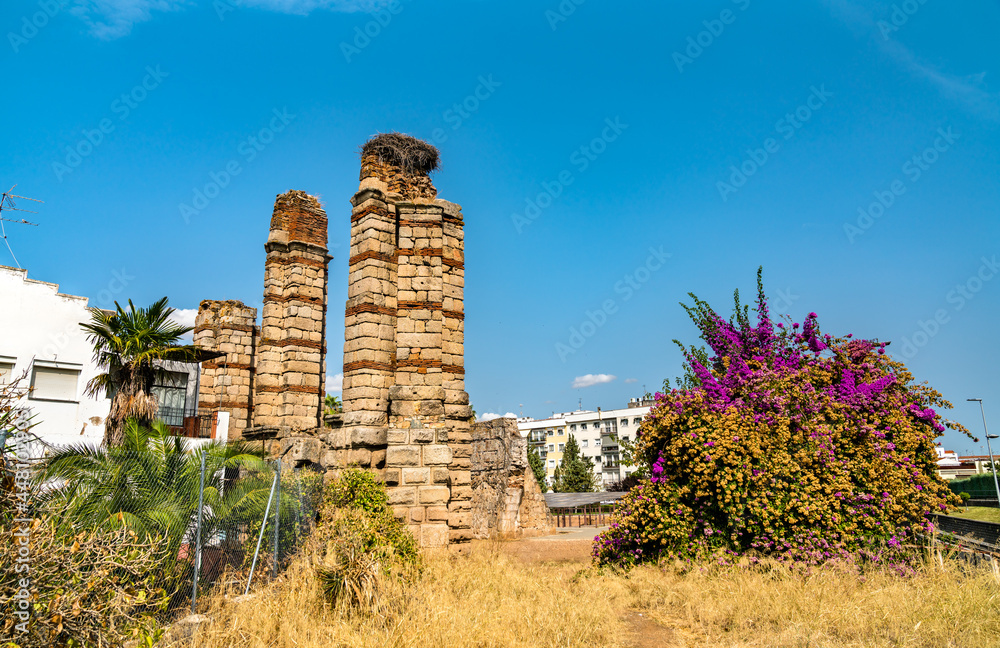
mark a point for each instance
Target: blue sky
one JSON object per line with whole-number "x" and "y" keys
{"x": 609, "y": 158}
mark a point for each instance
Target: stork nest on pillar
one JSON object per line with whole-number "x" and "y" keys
{"x": 410, "y": 154}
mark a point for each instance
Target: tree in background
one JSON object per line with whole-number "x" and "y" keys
{"x": 575, "y": 474}
{"x": 332, "y": 405}
{"x": 792, "y": 444}
{"x": 538, "y": 467}
{"x": 128, "y": 344}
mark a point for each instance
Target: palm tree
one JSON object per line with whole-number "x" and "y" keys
{"x": 332, "y": 405}
{"x": 128, "y": 344}
{"x": 149, "y": 484}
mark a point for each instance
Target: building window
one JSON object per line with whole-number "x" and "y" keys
{"x": 552, "y": 463}
{"x": 572, "y": 428}
{"x": 6, "y": 369}
{"x": 636, "y": 421}
{"x": 551, "y": 432}
{"x": 562, "y": 446}
{"x": 170, "y": 390}
{"x": 597, "y": 443}
{"x": 552, "y": 448}
{"x": 583, "y": 443}
{"x": 583, "y": 426}
{"x": 623, "y": 422}
{"x": 598, "y": 459}
{"x": 54, "y": 383}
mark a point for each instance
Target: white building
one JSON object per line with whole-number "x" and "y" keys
{"x": 597, "y": 433}
{"x": 40, "y": 337}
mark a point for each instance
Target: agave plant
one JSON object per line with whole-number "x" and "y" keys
{"x": 150, "y": 484}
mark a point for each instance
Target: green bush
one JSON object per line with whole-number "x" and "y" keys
{"x": 362, "y": 553}
{"x": 965, "y": 497}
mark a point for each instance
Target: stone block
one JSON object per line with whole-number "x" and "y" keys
{"x": 442, "y": 436}
{"x": 416, "y": 475}
{"x": 422, "y": 435}
{"x": 300, "y": 449}
{"x": 402, "y": 455}
{"x": 441, "y": 476}
{"x": 392, "y": 476}
{"x": 437, "y": 514}
{"x": 407, "y": 392}
{"x": 458, "y": 411}
{"x": 416, "y": 514}
{"x": 359, "y": 457}
{"x": 368, "y": 436}
{"x": 436, "y": 455}
{"x": 458, "y": 520}
{"x": 397, "y": 436}
{"x": 402, "y": 495}
{"x": 434, "y": 495}
{"x": 461, "y": 477}
{"x": 434, "y": 535}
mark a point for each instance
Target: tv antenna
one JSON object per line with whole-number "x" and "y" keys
{"x": 7, "y": 202}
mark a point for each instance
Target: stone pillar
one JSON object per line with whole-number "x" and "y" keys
{"x": 227, "y": 382}
{"x": 405, "y": 409}
{"x": 291, "y": 362}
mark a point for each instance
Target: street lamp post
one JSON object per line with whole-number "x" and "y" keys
{"x": 993, "y": 466}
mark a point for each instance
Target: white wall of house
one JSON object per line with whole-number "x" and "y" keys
{"x": 40, "y": 334}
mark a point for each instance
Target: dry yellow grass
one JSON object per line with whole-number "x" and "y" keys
{"x": 489, "y": 599}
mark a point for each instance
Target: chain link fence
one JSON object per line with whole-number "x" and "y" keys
{"x": 221, "y": 514}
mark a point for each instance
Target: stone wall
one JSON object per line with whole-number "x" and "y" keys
{"x": 291, "y": 362}
{"x": 506, "y": 499}
{"x": 226, "y": 384}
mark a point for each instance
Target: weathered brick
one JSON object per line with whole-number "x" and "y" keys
{"x": 402, "y": 456}
{"x": 436, "y": 455}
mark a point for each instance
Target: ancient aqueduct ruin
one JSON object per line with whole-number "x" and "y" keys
{"x": 406, "y": 413}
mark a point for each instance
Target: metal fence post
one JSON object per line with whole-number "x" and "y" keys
{"x": 277, "y": 517}
{"x": 197, "y": 542}
{"x": 260, "y": 538}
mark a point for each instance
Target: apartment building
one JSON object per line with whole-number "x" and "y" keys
{"x": 599, "y": 434}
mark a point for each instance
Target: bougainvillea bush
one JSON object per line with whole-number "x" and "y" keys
{"x": 785, "y": 443}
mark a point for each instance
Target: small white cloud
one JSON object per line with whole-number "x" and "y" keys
{"x": 592, "y": 379}
{"x": 185, "y": 317}
{"x": 489, "y": 416}
{"x": 110, "y": 19}
{"x": 335, "y": 383}
{"x": 629, "y": 381}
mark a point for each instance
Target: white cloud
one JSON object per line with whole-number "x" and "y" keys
{"x": 110, "y": 19}
{"x": 629, "y": 381}
{"x": 185, "y": 317}
{"x": 489, "y": 416}
{"x": 592, "y": 379}
{"x": 335, "y": 383}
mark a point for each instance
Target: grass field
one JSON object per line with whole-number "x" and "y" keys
{"x": 512, "y": 595}
{"x": 978, "y": 513}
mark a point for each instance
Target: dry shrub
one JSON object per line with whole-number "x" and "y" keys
{"x": 488, "y": 599}
{"x": 95, "y": 588}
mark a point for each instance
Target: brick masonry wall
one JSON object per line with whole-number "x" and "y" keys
{"x": 226, "y": 382}
{"x": 506, "y": 499}
{"x": 291, "y": 359}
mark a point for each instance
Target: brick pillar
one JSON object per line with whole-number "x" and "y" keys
{"x": 405, "y": 408}
{"x": 291, "y": 362}
{"x": 227, "y": 382}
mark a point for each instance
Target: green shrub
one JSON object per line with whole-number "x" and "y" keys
{"x": 965, "y": 497}
{"x": 362, "y": 553}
